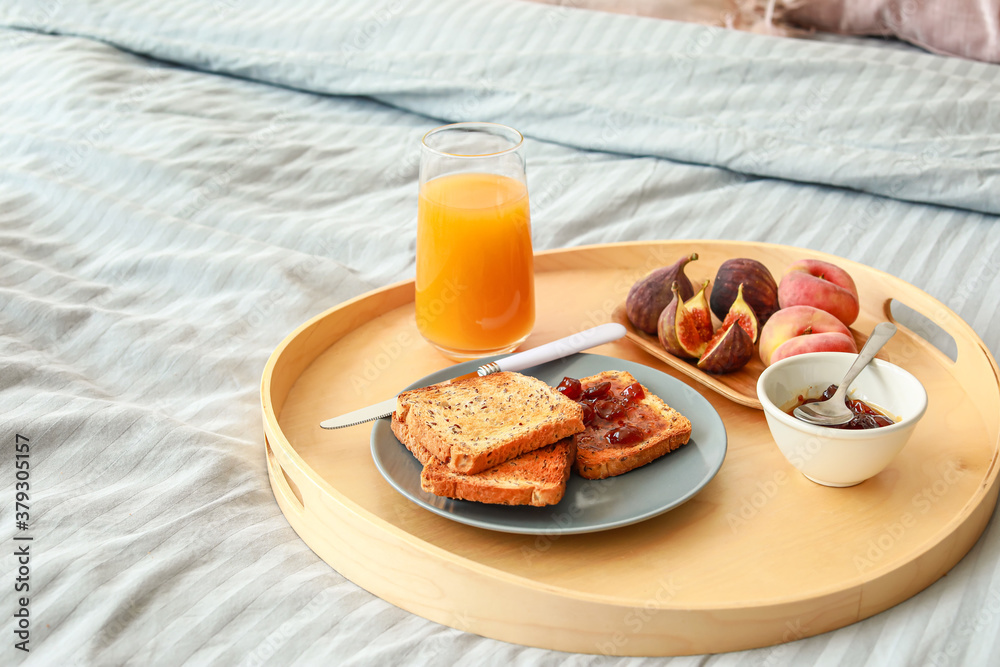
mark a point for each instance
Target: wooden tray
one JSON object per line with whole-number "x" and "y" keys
{"x": 760, "y": 556}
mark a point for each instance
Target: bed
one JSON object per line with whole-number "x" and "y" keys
{"x": 183, "y": 184}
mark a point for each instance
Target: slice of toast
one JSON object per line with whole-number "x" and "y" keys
{"x": 479, "y": 423}
{"x": 536, "y": 478}
{"x": 664, "y": 430}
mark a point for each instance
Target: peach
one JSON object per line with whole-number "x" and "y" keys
{"x": 813, "y": 282}
{"x": 822, "y": 342}
{"x": 799, "y": 329}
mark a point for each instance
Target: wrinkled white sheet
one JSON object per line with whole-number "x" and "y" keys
{"x": 182, "y": 184}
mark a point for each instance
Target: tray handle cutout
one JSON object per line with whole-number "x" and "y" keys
{"x": 923, "y": 326}
{"x": 288, "y": 489}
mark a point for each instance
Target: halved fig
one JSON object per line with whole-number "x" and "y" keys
{"x": 693, "y": 323}
{"x": 741, "y": 312}
{"x": 729, "y": 350}
{"x": 665, "y": 329}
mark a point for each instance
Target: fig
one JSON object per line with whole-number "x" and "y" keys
{"x": 742, "y": 313}
{"x": 665, "y": 326}
{"x": 729, "y": 350}
{"x": 759, "y": 288}
{"x": 650, "y": 295}
{"x": 693, "y": 323}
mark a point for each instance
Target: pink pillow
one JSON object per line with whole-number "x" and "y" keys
{"x": 966, "y": 28}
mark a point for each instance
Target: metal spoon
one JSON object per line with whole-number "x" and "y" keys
{"x": 834, "y": 411}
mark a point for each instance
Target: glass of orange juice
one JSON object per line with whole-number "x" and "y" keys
{"x": 475, "y": 272}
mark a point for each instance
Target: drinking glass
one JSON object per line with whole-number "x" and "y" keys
{"x": 475, "y": 271}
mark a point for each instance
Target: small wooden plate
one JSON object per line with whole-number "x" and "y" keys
{"x": 739, "y": 386}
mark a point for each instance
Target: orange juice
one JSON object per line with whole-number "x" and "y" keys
{"x": 475, "y": 273}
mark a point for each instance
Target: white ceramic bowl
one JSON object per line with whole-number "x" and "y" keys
{"x": 832, "y": 456}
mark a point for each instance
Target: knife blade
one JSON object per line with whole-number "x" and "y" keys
{"x": 557, "y": 349}
{"x": 376, "y": 410}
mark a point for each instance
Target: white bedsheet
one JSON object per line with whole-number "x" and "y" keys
{"x": 182, "y": 184}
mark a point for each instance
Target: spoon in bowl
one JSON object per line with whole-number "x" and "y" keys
{"x": 834, "y": 411}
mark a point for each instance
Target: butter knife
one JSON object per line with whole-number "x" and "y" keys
{"x": 557, "y": 349}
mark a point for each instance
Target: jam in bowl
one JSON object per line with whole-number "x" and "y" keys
{"x": 865, "y": 414}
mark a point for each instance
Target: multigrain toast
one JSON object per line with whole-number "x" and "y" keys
{"x": 664, "y": 430}
{"x": 536, "y": 478}
{"x": 479, "y": 423}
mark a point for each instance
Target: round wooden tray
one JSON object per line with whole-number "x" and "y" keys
{"x": 760, "y": 556}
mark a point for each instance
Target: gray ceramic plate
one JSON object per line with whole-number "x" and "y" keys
{"x": 589, "y": 505}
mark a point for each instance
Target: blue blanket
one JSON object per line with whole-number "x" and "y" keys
{"x": 183, "y": 183}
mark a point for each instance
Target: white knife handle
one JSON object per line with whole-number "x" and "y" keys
{"x": 557, "y": 349}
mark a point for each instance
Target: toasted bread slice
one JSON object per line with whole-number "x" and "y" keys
{"x": 536, "y": 478}
{"x": 479, "y": 423}
{"x": 664, "y": 429}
